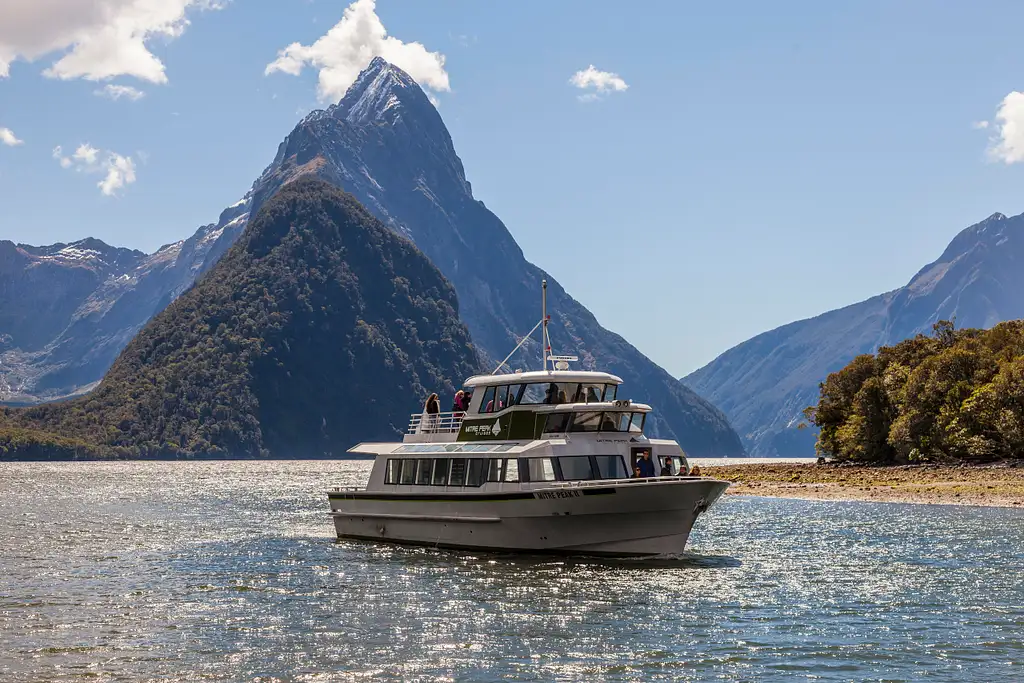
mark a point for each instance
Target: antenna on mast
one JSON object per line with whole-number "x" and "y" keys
{"x": 557, "y": 362}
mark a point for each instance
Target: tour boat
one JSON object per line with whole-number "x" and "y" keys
{"x": 540, "y": 461}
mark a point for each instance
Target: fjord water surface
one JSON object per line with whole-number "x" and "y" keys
{"x": 229, "y": 571}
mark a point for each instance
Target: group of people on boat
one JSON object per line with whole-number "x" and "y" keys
{"x": 432, "y": 407}
{"x": 460, "y": 404}
{"x": 555, "y": 396}
{"x": 644, "y": 468}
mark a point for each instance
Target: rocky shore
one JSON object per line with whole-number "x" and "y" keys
{"x": 997, "y": 485}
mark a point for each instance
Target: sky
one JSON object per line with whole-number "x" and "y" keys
{"x": 694, "y": 173}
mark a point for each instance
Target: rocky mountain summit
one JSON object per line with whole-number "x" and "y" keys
{"x": 386, "y": 144}
{"x": 764, "y": 383}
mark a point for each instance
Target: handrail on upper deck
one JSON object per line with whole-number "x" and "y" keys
{"x": 435, "y": 423}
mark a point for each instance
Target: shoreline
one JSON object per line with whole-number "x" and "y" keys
{"x": 996, "y": 485}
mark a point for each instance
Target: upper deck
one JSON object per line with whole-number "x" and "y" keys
{"x": 529, "y": 405}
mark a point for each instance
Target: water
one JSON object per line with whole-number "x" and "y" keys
{"x": 229, "y": 571}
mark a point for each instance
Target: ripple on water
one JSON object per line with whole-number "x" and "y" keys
{"x": 227, "y": 571}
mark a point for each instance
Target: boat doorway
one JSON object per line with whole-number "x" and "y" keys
{"x": 635, "y": 454}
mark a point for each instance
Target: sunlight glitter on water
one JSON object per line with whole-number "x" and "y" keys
{"x": 229, "y": 571}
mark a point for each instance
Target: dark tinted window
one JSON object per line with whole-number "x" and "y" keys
{"x": 495, "y": 469}
{"x": 610, "y": 390}
{"x": 440, "y": 477}
{"x": 514, "y": 392}
{"x": 458, "y": 477}
{"x": 610, "y": 422}
{"x": 477, "y": 471}
{"x": 576, "y": 467}
{"x": 391, "y": 474}
{"x": 423, "y": 472}
{"x": 556, "y": 422}
{"x": 585, "y": 422}
{"x": 611, "y": 467}
{"x": 591, "y": 393}
{"x": 408, "y": 472}
{"x": 487, "y": 402}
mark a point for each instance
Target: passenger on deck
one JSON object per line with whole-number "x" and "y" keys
{"x": 551, "y": 394}
{"x": 592, "y": 396}
{"x": 432, "y": 408}
{"x": 646, "y": 465}
{"x": 666, "y": 469}
{"x": 636, "y": 471}
{"x": 460, "y": 404}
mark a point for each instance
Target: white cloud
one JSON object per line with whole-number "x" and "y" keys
{"x": 348, "y": 47}
{"x": 601, "y": 82}
{"x": 118, "y": 169}
{"x": 979, "y": 125}
{"x": 8, "y": 138}
{"x": 120, "y": 172}
{"x": 1008, "y": 144}
{"x": 99, "y": 39}
{"x": 116, "y": 92}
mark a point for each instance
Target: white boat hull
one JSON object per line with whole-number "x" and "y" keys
{"x": 612, "y": 518}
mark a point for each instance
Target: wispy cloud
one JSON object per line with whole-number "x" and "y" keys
{"x": 1007, "y": 144}
{"x": 350, "y": 45}
{"x": 7, "y": 137}
{"x": 116, "y": 92}
{"x": 97, "y": 39}
{"x": 599, "y": 83}
{"x": 118, "y": 170}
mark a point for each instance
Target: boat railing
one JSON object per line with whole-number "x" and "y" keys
{"x": 435, "y": 423}
{"x": 605, "y": 482}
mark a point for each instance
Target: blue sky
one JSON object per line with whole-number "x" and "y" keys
{"x": 764, "y": 163}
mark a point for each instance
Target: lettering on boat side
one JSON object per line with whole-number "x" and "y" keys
{"x": 558, "y": 494}
{"x": 485, "y": 429}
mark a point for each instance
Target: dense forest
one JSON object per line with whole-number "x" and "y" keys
{"x": 318, "y": 329}
{"x": 957, "y": 395}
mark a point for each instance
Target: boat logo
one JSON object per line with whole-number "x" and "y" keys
{"x": 484, "y": 429}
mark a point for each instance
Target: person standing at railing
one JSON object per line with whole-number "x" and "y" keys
{"x": 459, "y": 404}
{"x": 432, "y": 408}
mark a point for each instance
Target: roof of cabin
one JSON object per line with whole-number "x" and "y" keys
{"x": 543, "y": 376}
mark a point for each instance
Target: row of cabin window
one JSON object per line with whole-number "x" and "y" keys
{"x": 496, "y": 399}
{"x": 595, "y": 422}
{"x": 477, "y": 471}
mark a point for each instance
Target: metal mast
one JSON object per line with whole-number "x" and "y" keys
{"x": 545, "y": 341}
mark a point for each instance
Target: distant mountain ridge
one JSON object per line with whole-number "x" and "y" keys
{"x": 67, "y": 310}
{"x": 386, "y": 144}
{"x": 764, "y": 383}
{"x": 236, "y": 367}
